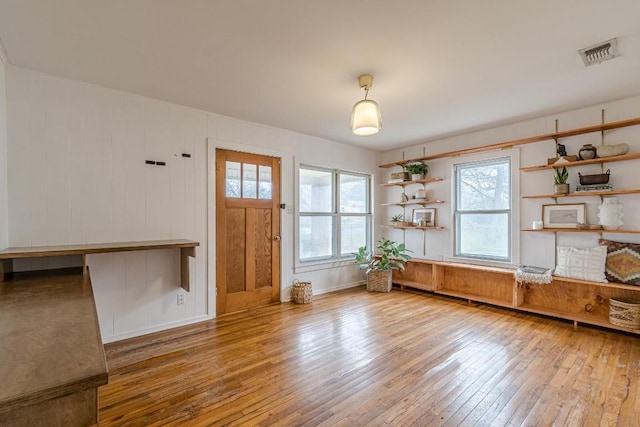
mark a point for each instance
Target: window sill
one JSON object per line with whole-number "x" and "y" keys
{"x": 482, "y": 262}
{"x": 323, "y": 265}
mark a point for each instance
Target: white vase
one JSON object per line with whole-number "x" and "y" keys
{"x": 610, "y": 214}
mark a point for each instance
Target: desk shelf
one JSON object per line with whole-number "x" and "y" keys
{"x": 187, "y": 249}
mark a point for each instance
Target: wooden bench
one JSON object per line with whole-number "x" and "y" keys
{"x": 580, "y": 301}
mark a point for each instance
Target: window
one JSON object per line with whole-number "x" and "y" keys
{"x": 334, "y": 213}
{"x": 248, "y": 181}
{"x": 483, "y": 210}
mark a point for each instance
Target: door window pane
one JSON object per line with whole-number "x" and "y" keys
{"x": 353, "y": 234}
{"x": 249, "y": 181}
{"x": 353, "y": 193}
{"x": 233, "y": 179}
{"x": 316, "y": 192}
{"x": 316, "y": 237}
{"x": 264, "y": 182}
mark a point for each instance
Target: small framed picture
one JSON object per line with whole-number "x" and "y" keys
{"x": 424, "y": 217}
{"x": 563, "y": 216}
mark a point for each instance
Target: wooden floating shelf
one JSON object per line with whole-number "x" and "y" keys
{"x": 599, "y": 160}
{"x": 403, "y": 183}
{"x": 529, "y": 140}
{"x": 413, "y": 202}
{"x": 187, "y": 249}
{"x": 411, "y": 227}
{"x": 583, "y": 194}
{"x": 578, "y": 230}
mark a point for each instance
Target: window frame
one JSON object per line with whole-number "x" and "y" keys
{"x": 512, "y": 212}
{"x": 336, "y": 258}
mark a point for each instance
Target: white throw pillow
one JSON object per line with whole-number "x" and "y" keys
{"x": 583, "y": 264}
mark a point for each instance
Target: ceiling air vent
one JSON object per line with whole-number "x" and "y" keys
{"x": 600, "y": 52}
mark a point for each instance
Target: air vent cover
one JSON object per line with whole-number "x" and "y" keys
{"x": 599, "y": 53}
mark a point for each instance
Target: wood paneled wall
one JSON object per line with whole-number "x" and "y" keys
{"x": 77, "y": 175}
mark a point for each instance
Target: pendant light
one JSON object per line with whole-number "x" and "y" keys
{"x": 365, "y": 117}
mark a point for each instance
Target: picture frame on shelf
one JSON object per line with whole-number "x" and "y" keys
{"x": 424, "y": 217}
{"x": 563, "y": 216}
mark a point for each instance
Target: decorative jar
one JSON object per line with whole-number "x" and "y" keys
{"x": 610, "y": 213}
{"x": 587, "y": 152}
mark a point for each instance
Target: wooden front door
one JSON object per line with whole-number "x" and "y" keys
{"x": 247, "y": 230}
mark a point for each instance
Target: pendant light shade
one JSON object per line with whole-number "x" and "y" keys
{"x": 365, "y": 117}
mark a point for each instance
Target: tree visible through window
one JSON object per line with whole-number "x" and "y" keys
{"x": 483, "y": 209}
{"x": 334, "y": 213}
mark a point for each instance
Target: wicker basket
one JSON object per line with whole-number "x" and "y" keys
{"x": 301, "y": 293}
{"x": 624, "y": 312}
{"x": 379, "y": 281}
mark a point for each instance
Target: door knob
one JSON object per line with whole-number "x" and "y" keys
{"x": 277, "y": 238}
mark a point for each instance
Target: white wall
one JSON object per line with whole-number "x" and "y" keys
{"x": 77, "y": 175}
{"x": 4, "y": 209}
{"x": 535, "y": 248}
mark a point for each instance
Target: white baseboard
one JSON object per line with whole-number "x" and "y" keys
{"x": 157, "y": 328}
{"x": 170, "y": 325}
{"x": 327, "y": 290}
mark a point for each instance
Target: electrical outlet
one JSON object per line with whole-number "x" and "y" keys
{"x": 180, "y": 299}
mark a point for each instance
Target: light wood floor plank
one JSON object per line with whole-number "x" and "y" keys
{"x": 353, "y": 358}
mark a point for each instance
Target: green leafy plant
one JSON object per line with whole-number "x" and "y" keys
{"x": 397, "y": 218}
{"x": 392, "y": 256}
{"x": 417, "y": 168}
{"x": 560, "y": 176}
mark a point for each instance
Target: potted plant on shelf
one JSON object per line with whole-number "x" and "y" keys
{"x": 379, "y": 267}
{"x": 417, "y": 170}
{"x": 560, "y": 185}
{"x": 397, "y": 219}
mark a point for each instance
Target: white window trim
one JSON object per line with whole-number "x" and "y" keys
{"x": 333, "y": 262}
{"x": 514, "y": 154}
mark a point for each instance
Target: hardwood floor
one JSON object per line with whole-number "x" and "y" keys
{"x": 354, "y": 358}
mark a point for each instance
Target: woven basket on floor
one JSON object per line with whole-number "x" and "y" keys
{"x": 379, "y": 281}
{"x": 301, "y": 292}
{"x": 624, "y": 312}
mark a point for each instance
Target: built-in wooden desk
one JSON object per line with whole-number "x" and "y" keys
{"x": 51, "y": 355}
{"x": 187, "y": 249}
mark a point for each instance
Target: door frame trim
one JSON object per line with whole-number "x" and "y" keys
{"x": 286, "y": 242}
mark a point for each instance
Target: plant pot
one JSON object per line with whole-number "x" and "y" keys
{"x": 417, "y": 177}
{"x": 379, "y": 281}
{"x": 561, "y": 188}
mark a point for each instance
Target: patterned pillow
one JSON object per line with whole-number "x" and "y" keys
{"x": 623, "y": 262}
{"x": 583, "y": 264}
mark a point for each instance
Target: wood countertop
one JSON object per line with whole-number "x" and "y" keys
{"x": 94, "y": 248}
{"x": 49, "y": 335}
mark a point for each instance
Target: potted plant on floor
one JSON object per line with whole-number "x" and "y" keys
{"x": 417, "y": 170}
{"x": 379, "y": 268}
{"x": 560, "y": 177}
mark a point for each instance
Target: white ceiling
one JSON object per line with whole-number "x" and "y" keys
{"x": 440, "y": 67}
